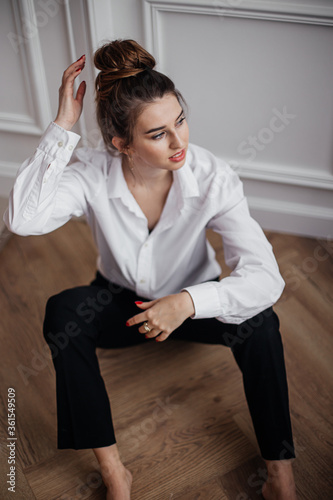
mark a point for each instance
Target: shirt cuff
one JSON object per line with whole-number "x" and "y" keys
{"x": 58, "y": 142}
{"x": 206, "y": 300}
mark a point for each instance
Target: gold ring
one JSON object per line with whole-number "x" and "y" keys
{"x": 146, "y": 327}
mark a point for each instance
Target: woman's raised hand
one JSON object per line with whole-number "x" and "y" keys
{"x": 70, "y": 108}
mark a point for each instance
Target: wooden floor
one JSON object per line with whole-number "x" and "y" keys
{"x": 180, "y": 415}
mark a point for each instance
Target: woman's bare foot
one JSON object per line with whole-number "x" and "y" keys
{"x": 117, "y": 479}
{"x": 118, "y": 484}
{"x": 280, "y": 484}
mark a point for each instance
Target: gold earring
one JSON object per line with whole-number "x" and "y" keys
{"x": 130, "y": 161}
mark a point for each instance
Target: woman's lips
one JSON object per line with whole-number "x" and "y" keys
{"x": 178, "y": 156}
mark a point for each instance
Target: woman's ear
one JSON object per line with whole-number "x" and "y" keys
{"x": 119, "y": 144}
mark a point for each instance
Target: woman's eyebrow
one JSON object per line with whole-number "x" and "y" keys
{"x": 163, "y": 126}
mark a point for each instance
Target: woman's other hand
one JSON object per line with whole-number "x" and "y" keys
{"x": 163, "y": 315}
{"x": 70, "y": 108}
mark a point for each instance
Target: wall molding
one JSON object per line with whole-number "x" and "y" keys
{"x": 259, "y": 9}
{"x": 296, "y": 218}
{"x": 19, "y": 123}
{"x": 8, "y": 171}
{"x": 295, "y": 176}
{"x": 100, "y": 22}
{"x": 255, "y": 9}
{"x": 288, "y": 207}
{"x": 320, "y": 14}
{"x": 30, "y": 52}
{"x": 73, "y": 57}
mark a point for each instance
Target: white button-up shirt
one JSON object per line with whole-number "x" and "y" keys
{"x": 176, "y": 255}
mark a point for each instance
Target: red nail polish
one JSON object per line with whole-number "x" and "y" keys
{"x": 127, "y": 323}
{"x": 156, "y": 339}
{"x": 139, "y": 302}
{"x": 146, "y": 336}
{"x": 80, "y": 58}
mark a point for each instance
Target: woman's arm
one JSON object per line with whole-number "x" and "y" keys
{"x": 45, "y": 195}
{"x": 255, "y": 282}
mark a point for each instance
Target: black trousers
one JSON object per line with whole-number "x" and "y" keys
{"x": 82, "y": 318}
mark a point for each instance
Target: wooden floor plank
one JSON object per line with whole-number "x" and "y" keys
{"x": 67, "y": 475}
{"x": 211, "y": 490}
{"x": 245, "y": 482}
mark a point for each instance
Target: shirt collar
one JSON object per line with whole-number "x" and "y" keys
{"x": 184, "y": 180}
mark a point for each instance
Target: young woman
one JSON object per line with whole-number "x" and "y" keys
{"x": 149, "y": 198}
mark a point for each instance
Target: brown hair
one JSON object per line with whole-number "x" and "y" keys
{"x": 126, "y": 83}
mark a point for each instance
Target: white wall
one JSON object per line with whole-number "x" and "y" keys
{"x": 257, "y": 76}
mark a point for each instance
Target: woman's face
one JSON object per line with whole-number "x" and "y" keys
{"x": 161, "y": 134}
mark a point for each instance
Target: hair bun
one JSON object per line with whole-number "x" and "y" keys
{"x": 120, "y": 59}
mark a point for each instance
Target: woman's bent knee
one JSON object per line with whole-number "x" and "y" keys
{"x": 265, "y": 321}
{"x": 262, "y": 328}
{"x": 60, "y": 322}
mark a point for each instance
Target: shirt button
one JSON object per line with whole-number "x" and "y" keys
{"x": 70, "y": 147}
{"x": 60, "y": 144}
{"x": 146, "y": 244}
{"x": 142, "y": 281}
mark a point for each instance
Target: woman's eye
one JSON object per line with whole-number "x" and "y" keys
{"x": 158, "y": 136}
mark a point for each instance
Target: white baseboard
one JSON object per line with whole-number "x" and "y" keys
{"x": 295, "y": 218}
